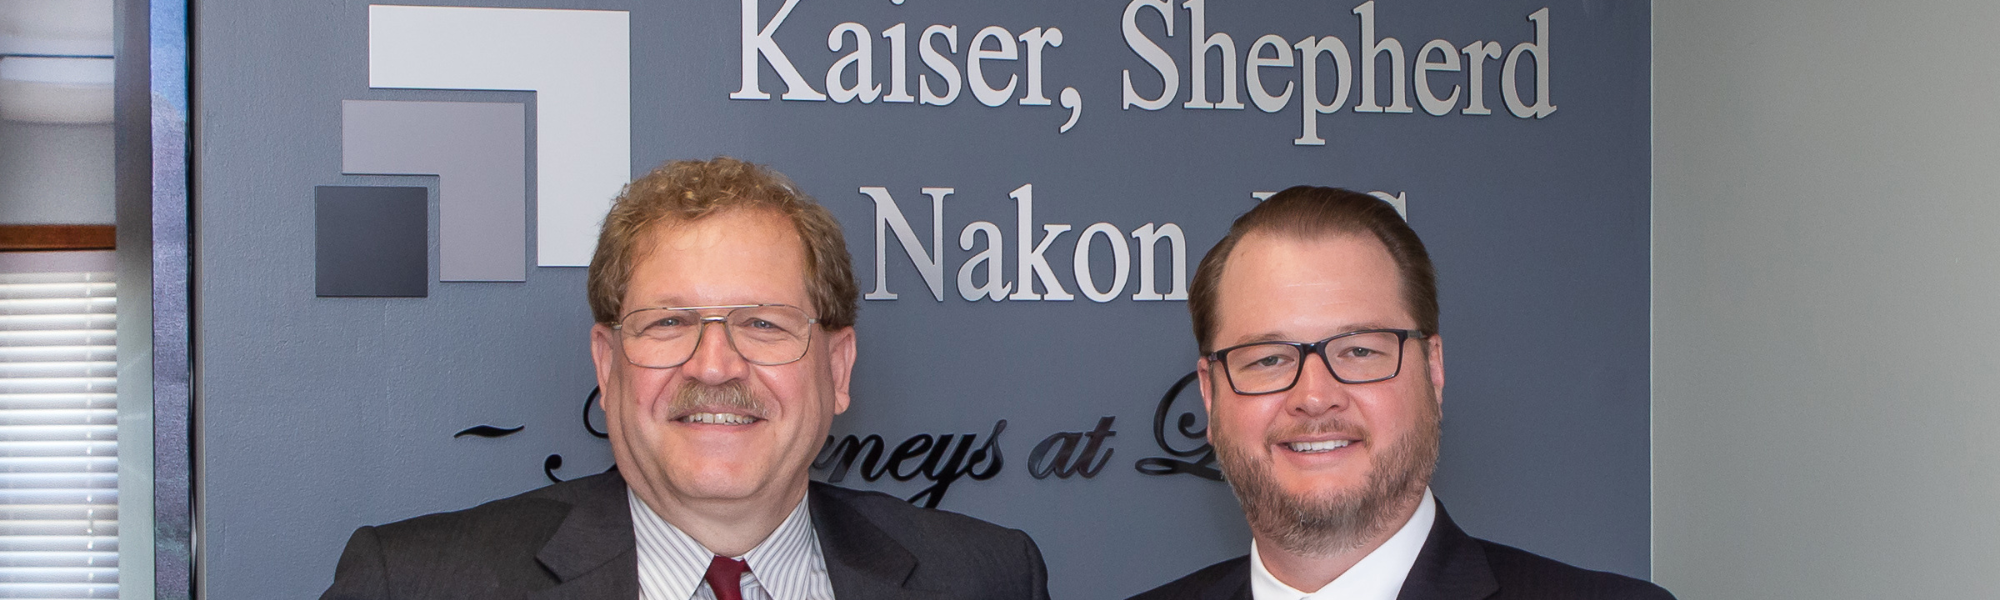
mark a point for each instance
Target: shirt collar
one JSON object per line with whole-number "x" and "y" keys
{"x": 790, "y": 559}
{"x": 787, "y": 563}
{"x": 1379, "y": 576}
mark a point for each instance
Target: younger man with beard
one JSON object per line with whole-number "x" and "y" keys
{"x": 1330, "y": 444}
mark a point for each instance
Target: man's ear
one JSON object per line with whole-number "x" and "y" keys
{"x": 603, "y": 354}
{"x": 1435, "y": 344}
{"x": 1207, "y": 404}
{"x": 840, "y": 347}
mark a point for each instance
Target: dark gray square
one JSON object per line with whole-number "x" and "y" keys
{"x": 371, "y": 241}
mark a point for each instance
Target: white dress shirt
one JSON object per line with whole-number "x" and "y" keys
{"x": 1379, "y": 576}
{"x": 787, "y": 565}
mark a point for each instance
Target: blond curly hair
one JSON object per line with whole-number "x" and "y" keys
{"x": 689, "y": 190}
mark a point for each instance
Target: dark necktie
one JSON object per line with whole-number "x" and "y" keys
{"x": 725, "y": 578}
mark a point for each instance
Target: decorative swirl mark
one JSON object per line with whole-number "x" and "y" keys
{"x": 596, "y": 394}
{"x": 1185, "y": 424}
{"x": 488, "y": 431}
{"x": 1204, "y": 455}
{"x": 549, "y": 466}
{"x": 1168, "y": 466}
{"x": 554, "y": 461}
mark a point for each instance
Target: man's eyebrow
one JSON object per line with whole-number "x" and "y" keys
{"x": 661, "y": 302}
{"x": 1367, "y": 326}
{"x": 1273, "y": 336}
{"x": 1269, "y": 336}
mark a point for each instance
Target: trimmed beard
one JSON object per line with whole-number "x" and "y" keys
{"x": 1326, "y": 524}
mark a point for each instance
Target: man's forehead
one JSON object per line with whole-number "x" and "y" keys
{"x": 1342, "y": 281}
{"x": 1318, "y": 259}
{"x": 719, "y": 253}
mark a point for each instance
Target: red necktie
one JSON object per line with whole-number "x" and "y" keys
{"x": 725, "y": 578}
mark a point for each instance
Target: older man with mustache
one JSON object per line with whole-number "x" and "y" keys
{"x": 724, "y": 343}
{"x": 1322, "y": 370}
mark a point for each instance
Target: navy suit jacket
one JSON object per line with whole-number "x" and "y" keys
{"x": 574, "y": 540}
{"x": 1452, "y": 566}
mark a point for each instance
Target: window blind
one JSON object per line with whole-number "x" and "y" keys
{"x": 58, "y": 435}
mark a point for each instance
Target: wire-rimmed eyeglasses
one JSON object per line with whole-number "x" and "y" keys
{"x": 763, "y": 334}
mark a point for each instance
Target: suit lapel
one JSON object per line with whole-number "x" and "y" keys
{"x": 1234, "y": 585}
{"x": 1452, "y": 566}
{"x": 592, "y": 553}
{"x": 862, "y": 561}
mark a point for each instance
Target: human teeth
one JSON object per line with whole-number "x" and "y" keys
{"x": 1317, "y": 446}
{"x": 718, "y": 419}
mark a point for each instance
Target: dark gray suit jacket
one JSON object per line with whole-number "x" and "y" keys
{"x": 1452, "y": 566}
{"x": 574, "y": 540}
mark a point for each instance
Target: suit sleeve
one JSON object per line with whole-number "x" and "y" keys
{"x": 361, "y": 574}
{"x": 1653, "y": 591}
{"x": 1038, "y": 571}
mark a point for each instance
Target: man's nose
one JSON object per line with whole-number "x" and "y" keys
{"x": 1317, "y": 391}
{"x": 715, "y": 359}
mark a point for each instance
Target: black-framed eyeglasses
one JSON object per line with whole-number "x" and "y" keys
{"x": 1364, "y": 356}
{"x": 763, "y": 334}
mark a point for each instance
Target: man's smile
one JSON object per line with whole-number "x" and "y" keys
{"x": 718, "y": 418}
{"x": 1317, "y": 447}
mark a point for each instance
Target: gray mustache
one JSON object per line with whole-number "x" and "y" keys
{"x": 733, "y": 396}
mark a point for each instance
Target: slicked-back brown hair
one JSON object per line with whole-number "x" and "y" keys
{"x": 684, "y": 191}
{"x": 1307, "y": 212}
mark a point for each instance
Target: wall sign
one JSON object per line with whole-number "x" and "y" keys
{"x": 1025, "y": 187}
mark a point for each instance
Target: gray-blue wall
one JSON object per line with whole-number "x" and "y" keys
{"x": 318, "y": 415}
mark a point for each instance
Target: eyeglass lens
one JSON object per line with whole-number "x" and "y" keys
{"x": 1274, "y": 366}
{"x": 767, "y": 335}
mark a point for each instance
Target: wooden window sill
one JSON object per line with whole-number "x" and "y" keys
{"x": 16, "y": 238}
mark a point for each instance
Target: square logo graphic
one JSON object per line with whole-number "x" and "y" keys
{"x": 371, "y": 242}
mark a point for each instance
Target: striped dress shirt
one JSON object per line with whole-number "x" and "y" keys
{"x": 787, "y": 565}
